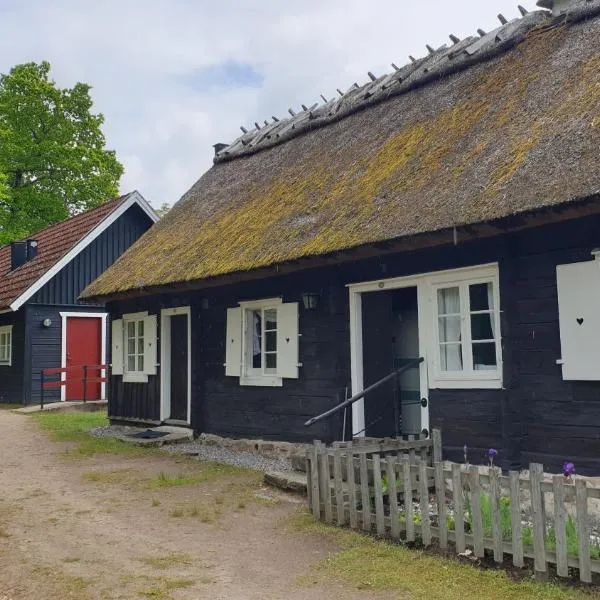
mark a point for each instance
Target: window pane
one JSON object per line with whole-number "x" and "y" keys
{"x": 271, "y": 360}
{"x": 270, "y": 319}
{"x": 131, "y": 363}
{"x": 271, "y": 341}
{"x": 484, "y": 356}
{"x": 481, "y": 327}
{"x": 481, "y": 296}
{"x": 451, "y": 357}
{"x": 449, "y": 328}
{"x": 140, "y": 345}
{"x": 140, "y": 328}
{"x": 131, "y": 346}
{"x": 141, "y": 363}
{"x": 131, "y": 329}
{"x": 449, "y": 301}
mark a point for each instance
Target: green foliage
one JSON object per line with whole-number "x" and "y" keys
{"x": 51, "y": 152}
{"x": 526, "y": 532}
{"x": 163, "y": 210}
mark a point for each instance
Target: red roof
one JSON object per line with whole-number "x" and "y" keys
{"x": 54, "y": 243}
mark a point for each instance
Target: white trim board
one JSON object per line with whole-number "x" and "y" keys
{"x": 165, "y": 360}
{"x": 63, "y": 348}
{"x": 134, "y": 198}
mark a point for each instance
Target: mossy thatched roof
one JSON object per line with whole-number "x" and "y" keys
{"x": 515, "y": 133}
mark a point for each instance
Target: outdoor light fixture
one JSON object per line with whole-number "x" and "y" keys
{"x": 47, "y": 322}
{"x": 310, "y": 301}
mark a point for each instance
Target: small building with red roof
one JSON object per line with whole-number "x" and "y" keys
{"x": 43, "y": 324}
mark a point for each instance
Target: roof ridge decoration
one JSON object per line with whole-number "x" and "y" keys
{"x": 438, "y": 63}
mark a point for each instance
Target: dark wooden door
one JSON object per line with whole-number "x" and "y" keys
{"x": 179, "y": 367}
{"x": 84, "y": 347}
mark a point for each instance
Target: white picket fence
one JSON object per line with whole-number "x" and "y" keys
{"x": 364, "y": 487}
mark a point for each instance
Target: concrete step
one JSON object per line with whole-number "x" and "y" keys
{"x": 287, "y": 481}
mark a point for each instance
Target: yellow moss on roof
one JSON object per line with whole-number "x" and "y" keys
{"x": 482, "y": 144}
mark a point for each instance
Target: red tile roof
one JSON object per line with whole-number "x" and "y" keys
{"x": 54, "y": 243}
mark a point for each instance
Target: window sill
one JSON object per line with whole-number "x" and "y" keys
{"x": 5, "y": 364}
{"x": 135, "y": 378}
{"x": 466, "y": 383}
{"x": 262, "y": 381}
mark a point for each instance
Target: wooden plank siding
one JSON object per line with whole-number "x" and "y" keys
{"x": 537, "y": 417}
{"x": 11, "y": 378}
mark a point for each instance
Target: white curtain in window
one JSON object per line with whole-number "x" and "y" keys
{"x": 449, "y": 304}
{"x": 490, "y": 294}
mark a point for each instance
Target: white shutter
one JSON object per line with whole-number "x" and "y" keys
{"x": 579, "y": 318}
{"x": 150, "y": 345}
{"x": 287, "y": 340}
{"x": 233, "y": 343}
{"x": 117, "y": 347}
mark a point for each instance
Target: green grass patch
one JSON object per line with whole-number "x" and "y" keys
{"x": 161, "y": 587}
{"x": 73, "y": 426}
{"x": 366, "y": 563}
{"x": 10, "y": 406}
{"x": 206, "y": 471}
{"x": 118, "y": 476}
{"x": 166, "y": 561}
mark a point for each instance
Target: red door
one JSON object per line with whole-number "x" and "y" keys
{"x": 84, "y": 347}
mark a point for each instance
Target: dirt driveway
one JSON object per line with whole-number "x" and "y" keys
{"x": 111, "y": 527}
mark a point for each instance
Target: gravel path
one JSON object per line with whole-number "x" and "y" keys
{"x": 245, "y": 460}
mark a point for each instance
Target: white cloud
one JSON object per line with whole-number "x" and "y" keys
{"x": 141, "y": 59}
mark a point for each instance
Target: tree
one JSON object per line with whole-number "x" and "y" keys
{"x": 163, "y": 210}
{"x": 52, "y": 152}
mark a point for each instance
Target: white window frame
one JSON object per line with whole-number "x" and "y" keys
{"x": 468, "y": 377}
{"x": 133, "y": 376}
{"x": 7, "y": 330}
{"x": 249, "y": 375}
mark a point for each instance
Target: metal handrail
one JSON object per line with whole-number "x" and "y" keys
{"x": 356, "y": 397}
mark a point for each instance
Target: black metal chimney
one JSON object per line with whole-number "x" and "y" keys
{"x": 22, "y": 252}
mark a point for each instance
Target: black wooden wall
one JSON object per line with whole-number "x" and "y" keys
{"x": 11, "y": 378}
{"x": 64, "y": 288}
{"x": 537, "y": 416}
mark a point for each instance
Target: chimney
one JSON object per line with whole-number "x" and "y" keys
{"x": 22, "y": 252}
{"x": 219, "y": 147}
{"x": 558, "y": 7}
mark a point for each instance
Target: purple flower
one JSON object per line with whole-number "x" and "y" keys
{"x": 491, "y": 454}
{"x": 568, "y": 469}
{"x": 466, "y": 452}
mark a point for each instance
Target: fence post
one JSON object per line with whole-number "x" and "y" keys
{"x": 364, "y": 492}
{"x": 314, "y": 480}
{"x": 337, "y": 485}
{"x": 515, "y": 517}
{"x": 351, "y": 487}
{"x": 436, "y": 436}
{"x": 379, "y": 516}
{"x": 408, "y": 499}
{"x": 393, "y": 496}
{"x": 495, "y": 504}
{"x": 440, "y": 492}
{"x": 459, "y": 508}
{"x": 536, "y": 472}
{"x": 562, "y": 565}
{"x": 476, "y": 510}
{"x": 424, "y": 503}
{"x": 583, "y": 531}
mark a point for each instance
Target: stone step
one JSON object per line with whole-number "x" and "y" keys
{"x": 287, "y": 481}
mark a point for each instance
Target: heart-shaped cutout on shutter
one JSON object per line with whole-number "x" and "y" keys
{"x": 580, "y": 321}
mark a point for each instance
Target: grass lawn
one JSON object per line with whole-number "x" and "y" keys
{"x": 73, "y": 426}
{"x": 10, "y": 406}
{"x": 370, "y": 564}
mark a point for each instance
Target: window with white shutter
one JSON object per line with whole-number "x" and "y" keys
{"x": 262, "y": 342}
{"x": 139, "y": 347}
{"x": 579, "y": 320}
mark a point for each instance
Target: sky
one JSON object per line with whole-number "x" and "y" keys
{"x": 174, "y": 77}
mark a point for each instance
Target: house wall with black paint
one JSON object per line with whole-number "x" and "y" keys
{"x": 536, "y": 416}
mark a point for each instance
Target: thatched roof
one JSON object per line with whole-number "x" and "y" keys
{"x": 486, "y": 129}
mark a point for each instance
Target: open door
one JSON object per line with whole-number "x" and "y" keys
{"x": 176, "y": 365}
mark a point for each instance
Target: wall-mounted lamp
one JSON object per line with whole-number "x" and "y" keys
{"x": 310, "y": 301}
{"x": 47, "y": 322}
